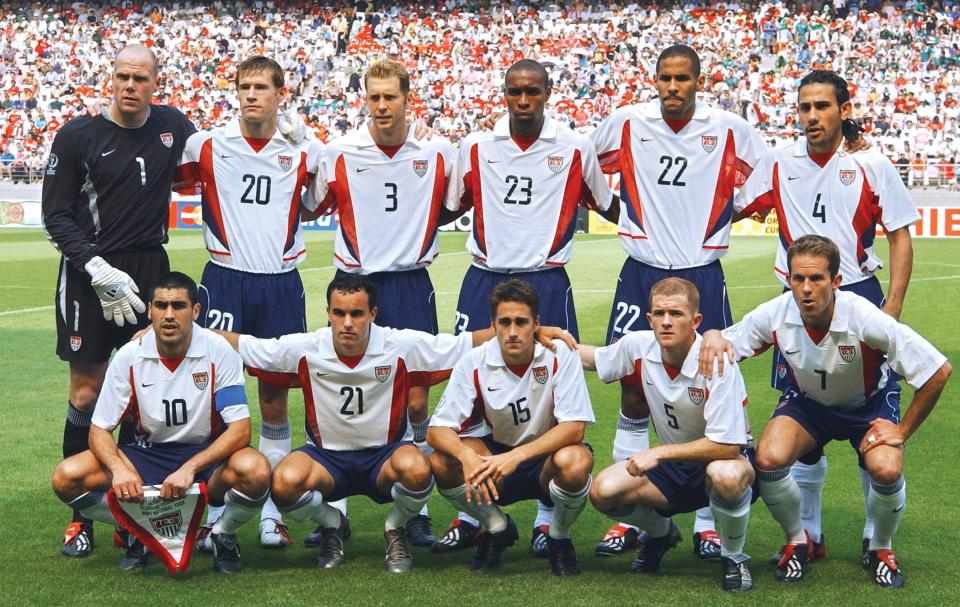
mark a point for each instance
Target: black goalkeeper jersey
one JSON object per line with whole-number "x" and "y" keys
{"x": 107, "y": 188}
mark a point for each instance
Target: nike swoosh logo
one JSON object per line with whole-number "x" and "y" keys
{"x": 489, "y": 389}
{"x": 900, "y": 508}
{"x": 359, "y": 170}
{"x": 644, "y": 140}
{"x": 649, "y": 383}
{"x": 730, "y": 537}
{"x": 788, "y": 353}
{"x": 143, "y": 385}
{"x": 792, "y": 178}
{"x": 492, "y": 161}
{"x": 108, "y": 153}
{"x": 319, "y": 374}
{"x": 224, "y": 156}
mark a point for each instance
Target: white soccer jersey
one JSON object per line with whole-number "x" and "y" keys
{"x": 843, "y": 201}
{"x": 251, "y": 199}
{"x": 848, "y": 365}
{"x": 684, "y": 406}
{"x": 517, "y": 409}
{"x": 190, "y": 404}
{"x": 525, "y": 202}
{"x": 676, "y": 189}
{"x": 362, "y": 406}
{"x": 388, "y": 206}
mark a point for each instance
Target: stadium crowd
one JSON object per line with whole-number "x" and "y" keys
{"x": 900, "y": 58}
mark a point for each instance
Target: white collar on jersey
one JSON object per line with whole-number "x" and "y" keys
{"x": 651, "y": 110}
{"x": 841, "y": 311}
{"x": 232, "y": 131}
{"x": 363, "y": 139}
{"x": 502, "y": 128}
{"x": 198, "y": 345}
{"x": 375, "y": 344}
{"x": 493, "y": 356}
{"x": 800, "y": 149}
{"x": 691, "y": 364}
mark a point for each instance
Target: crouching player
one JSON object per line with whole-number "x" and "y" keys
{"x": 704, "y": 455}
{"x": 535, "y": 402}
{"x": 182, "y": 384}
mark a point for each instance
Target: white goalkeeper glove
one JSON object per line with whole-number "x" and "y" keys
{"x": 116, "y": 290}
{"x": 291, "y": 126}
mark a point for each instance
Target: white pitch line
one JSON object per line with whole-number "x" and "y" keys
{"x": 25, "y": 310}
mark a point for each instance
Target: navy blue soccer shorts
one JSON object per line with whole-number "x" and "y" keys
{"x": 262, "y": 305}
{"x": 632, "y": 298}
{"x": 406, "y": 300}
{"x": 158, "y": 461}
{"x": 553, "y": 287}
{"x": 524, "y": 483}
{"x": 685, "y": 484}
{"x": 354, "y": 472}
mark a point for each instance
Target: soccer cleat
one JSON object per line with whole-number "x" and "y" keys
{"x": 619, "y": 539}
{"x": 331, "y": 544}
{"x": 490, "y": 547}
{"x": 653, "y": 548}
{"x": 459, "y": 536}
{"x": 420, "y": 531}
{"x": 203, "y": 543}
{"x": 538, "y": 542}
{"x": 865, "y": 549}
{"x": 273, "y": 534}
{"x": 736, "y": 576}
{"x": 77, "y": 540}
{"x": 886, "y": 570}
{"x": 226, "y": 552}
{"x": 792, "y": 559}
{"x": 136, "y": 557}
{"x": 121, "y": 538}
{"x": 818, "y": 552}
{"x": 706, "y": 545}
{"x": 397, "y": 558}
{"x": 563, "y": 558}
{"x": 314, "y": 540}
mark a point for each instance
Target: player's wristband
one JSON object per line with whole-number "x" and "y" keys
{"x": 96, "y": 265}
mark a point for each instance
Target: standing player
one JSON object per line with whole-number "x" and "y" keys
{"x": 839, "y": 350}
{"x": 524, "y": 181}
{"x": 106, "y": 197}
{"x": 537, "y": 406}
{"x": 679, "y": 162}
{"x": 252, "y": 182}
{"x": 383, "y": 180}
{"x": 815, "y": 187}
{"x": 705, "y": 442}
{"x": 184, "y": 387}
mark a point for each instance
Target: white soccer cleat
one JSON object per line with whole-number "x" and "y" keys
{"x": 273, "y": 534}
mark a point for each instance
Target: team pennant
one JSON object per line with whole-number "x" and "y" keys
{"x": 168, "y": 528}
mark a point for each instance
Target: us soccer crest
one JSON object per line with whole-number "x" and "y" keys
{"x": 555, "y": 163}
{"x": 75, "y": 342}
{"x": 847, "y": 176}
{"x": 709, "y": 142}
{"x": 200, "y": 380}
{"x": 383, "y": 373}
{"x": 168, "y": 525}
{"x": 166, "y": 139}
{"x": 420, "y": 167}
{"x": 847, "y": 353}
{"x": 285, "y": 162}
{"x": 696, "y": 395}
{"x": 540, "y": 374}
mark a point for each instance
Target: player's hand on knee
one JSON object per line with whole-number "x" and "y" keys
{"x": 116, "y": 290}
{"x": 881, "y": 432}
{"x": 640, "y": 463}
{"x": 176, "y": 485}
{"x": 128, "y": 486}
{"x": 497, "y": 468}
{"x": 546, "y": 335}
{"x": 292, "y": 126}
{"x": 714, "y": 351}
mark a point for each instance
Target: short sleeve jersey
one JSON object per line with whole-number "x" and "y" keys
{"x": 843, "y": 201}
{"x": 362, "y": 406}
{"x": 525, "y": 201}
{"x": 676, "y": 189}
{"x": 851, "y": 362}
{"x": 251, "y": 197}
{"x": 388, "y": 205}
{"x": 517, "y": 408}
{"x": 188, "y": 405}
{"x": 684, "y": 405}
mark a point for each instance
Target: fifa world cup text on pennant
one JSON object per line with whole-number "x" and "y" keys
{"x": 168, "y": 528}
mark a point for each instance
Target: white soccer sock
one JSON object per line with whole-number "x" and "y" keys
{"x": 866, "y": 481}
{"x": 886, "y": 504}
{"x": 406, "y": 504}
{"x": 213, "y": 513}
{"x": 704, "y": 521}
{"x": 732, "y": 520}
{"x": 93, "y": 505}
{"x": 311, "y": 507}
{"x": 782, "y": 496}
{"x": 340, "y": 505}
{"x": 489, "y": 515}
{"x": 466, "y": 518}
{"x": 810, "y": 478}
{"x": 274, "y": 445}
{"x": 237, "y": 510}
{"x": 632, "y": 436}
{"x": 645, "y": 517}
{"x": 567, "y": 507}
{"x": 544, "y": 515}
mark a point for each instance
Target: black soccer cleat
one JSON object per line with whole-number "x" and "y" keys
{"x": 818, "y": 551}
{"x": 315, "y": 538}
{"x": 538, "y": 542}
{"x": 563, "y": 558}
{"x": 459, "y": 536}
{"x": 706, "y": 545}
{"x": 736, "y": 575}
{"x": 865, "y": 553}
{"x": 885, "y": 569}
{"x": 77, "y": 540}
{"x": 331, "y": 544}
{"x": 618, "y": 540}
{"x": 792, "y": 559}
{"x": 226, "y": 553}
{"x": 397, "y": 558}
{"x": 137, "y": 556}
{"x": 491, "y": 546}
{"x": 653, "y": 548}
{"x": 420, "y": 531}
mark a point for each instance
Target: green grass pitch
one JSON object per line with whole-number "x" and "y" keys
{"x": 33, "y": 388}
